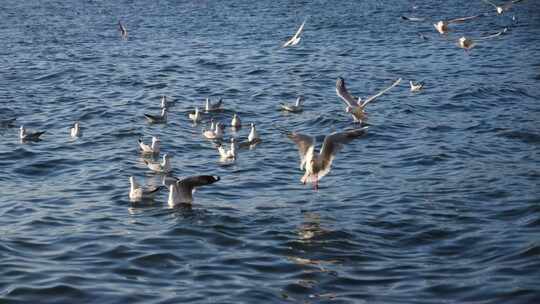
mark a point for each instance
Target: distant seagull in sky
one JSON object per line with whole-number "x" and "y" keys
{"x": 196, "y": 116}
{"x": 316, "y": 166}
{"x": 157, "y": 118}
{"x": 25, "y": 135}
{"x": 416, "y": 87}
{"x": 503, "y": 7}
{"x": 355, "y": 105}
{"x": 209, "y": 106}
{"x": 294, "y": 40}
{"x": 75, "y": 131}
{"x": 150, "y": 149}
{"x": 442, "y": 25}
{"x": 123, "y": 30}
{"x": 163, "y": 167}
{"x": 181, "y": 192}
{"x": 295, "y": 108}
{"x": 138, "y": 193}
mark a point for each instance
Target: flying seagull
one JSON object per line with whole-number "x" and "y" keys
{"x": 181, "y": 192}
{"x": 416, "y": 87}
{"x": 294, "y": 40}
{"x": 316, "y": 166}
{"x": 503, "y": 7}
{"x": 442, "y": 25}
{"x": 355, "y": 105}
{"x": 123, "y": 30}
{"x": 75, "y": 131}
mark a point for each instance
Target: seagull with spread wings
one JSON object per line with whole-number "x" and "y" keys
{"x": 294, "y": 40}
{"x": 503, "y": 7}
{"x": 316, "y": 166}
{"x": 442, "y": 25}
{"x": 355, "y": 105}
{"x": 181, "y": 191}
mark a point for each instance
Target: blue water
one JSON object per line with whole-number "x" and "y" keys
{"x": 439, "y": 203}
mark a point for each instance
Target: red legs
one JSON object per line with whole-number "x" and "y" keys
{"x": 315, "y": 181}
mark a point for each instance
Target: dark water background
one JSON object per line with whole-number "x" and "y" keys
{"x": 440, "y": 203}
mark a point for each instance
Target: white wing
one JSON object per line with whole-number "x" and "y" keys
{"x": 332, "y": 145}
{"x": 371, "y": 98}
{"x": 342, "y": 92}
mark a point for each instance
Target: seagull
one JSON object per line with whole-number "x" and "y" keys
{"x": 442, "y": 25}
{"x": 164, "y": 103}
{"x": 157, "y": 119}
{"x": 216, "y": 133}
{"x": 163, "y": 167}
{"x": 235, "y": 122}
{"x": 316, "y": 166}
{"x": 253, "y": 136}
{"x": 228, "y": 154}
{"x": 150, "y": 149}
{"x": 412, "y": 18}
{"x": 296, "y": 38}
{"x": 123, "y": 30}
{"x": 208, "y": 107}
{"x": 416, "y": 87}
{"x": 181, "y": 192}
{"x": 196, "y": 117}
{"x": 296, "y": 108}
{"x": 503, "y": 7}
{"x": 137, "y": 193}
{"x": 355, "y": 105}
{"x": 33, "y": 136}
{"x": 75, "y": 131}
{"x": 7, "y": 123}
{"x": 465, "y": 43}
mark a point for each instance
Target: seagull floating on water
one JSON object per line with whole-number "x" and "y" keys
{"x": 163, "y": 167}
{"x": 157, "y": 119}
{"x": 216, "y": 133}
{"x": 138, "y": 193}
{"x": 181, "y": 192}
{"x": 235, "y": 122}
{"x": 442, "y": 25}
{"x": 228, "y": 154}
{"x": 24, "y": 135}
{"x": 196, "y": 116}
{"x": 316, "y": 166}
{"x": 355, "y": 105}
{"x": 296, "y": 108}
{"x": 75, "y": 131}
{"x": 503, "y": 7}
{"x": 209, "y": 106}
{"x": 416, "y": 87}
{"x": 123, "y": 30}
{"x": 150, "y": 149}
{"x": 294, "y": 40}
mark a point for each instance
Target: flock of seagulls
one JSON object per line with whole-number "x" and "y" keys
{"x": 315, "y": 165}
{"x": 465, "y": 42}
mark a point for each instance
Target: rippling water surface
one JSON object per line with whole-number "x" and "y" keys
{"x": 439, "y": 203}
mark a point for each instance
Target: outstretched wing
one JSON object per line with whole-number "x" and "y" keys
{"x": 342, "y": 92}
{"x": 197, "y": 181}
{"x": 490, "y": 3}
{"x": 332, "y": 145}
{"x": 299, "y": 31}
{"x": 304, "y": 144}
{"x": 463, "y": 19}
{"x": 371, "y": 98}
